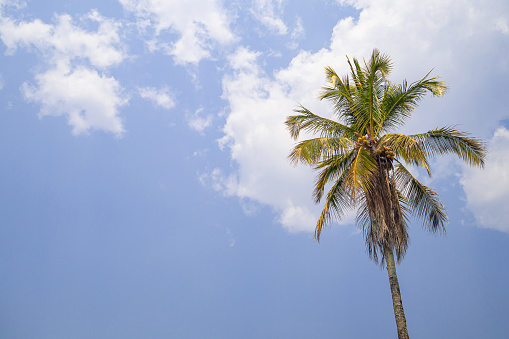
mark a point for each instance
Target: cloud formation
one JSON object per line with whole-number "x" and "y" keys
{"x": 88, "y": 99}
{"x": 269, "y": 13}
{"x": 487, "y": 191}
{"x": 161, "y": 97}
{"x": 200, "y": 25}
{"x": 74, "y": 85}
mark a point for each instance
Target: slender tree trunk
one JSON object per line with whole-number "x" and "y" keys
{"x": 399, "y": 313}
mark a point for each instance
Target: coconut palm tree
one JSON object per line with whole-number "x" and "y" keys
{"x": 366, "y": 161}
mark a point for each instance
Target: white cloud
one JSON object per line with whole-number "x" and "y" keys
{"x": 63, "y": 41}
{"x": 88, "y": 99}
{"x": 201, "y": 25}
{"x": 160, "y": 97}
{"x": 487, "y": 190}
{"x": 298, "y": 32}
{"x": 258, "y": 141}
{"x": 72, "y": 86}
{"x": 453, "y": 37}
{"x": 197, "y": 122}
{"x": 269, "y": 13}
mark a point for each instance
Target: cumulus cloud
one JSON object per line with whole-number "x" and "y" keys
{"x": 161, "y": 97}
{"x": 487, "y": 191}
{"x": 63, "y": 41}
{"x": 258, "y": 141}
{"x": 200, "y": 25}
{"x": 452, "y": 37}
{"x": 88, "y": 99}
{"x": 73, "y": 86}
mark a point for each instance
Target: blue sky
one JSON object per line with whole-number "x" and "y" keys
{"x": 145, "y": 190}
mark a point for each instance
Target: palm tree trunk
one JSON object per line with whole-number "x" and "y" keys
{"x": 399, "y": 313}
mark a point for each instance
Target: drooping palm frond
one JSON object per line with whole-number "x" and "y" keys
{"x": 354, "y": 170}
{"x": 382, "y": 215}
{"x": 338, "y": 201}
{"x": 331, "y": 169}
{"x": 422, "y": 200}
{"x": 448, "y": 140}
{"x": 310, "y": 122}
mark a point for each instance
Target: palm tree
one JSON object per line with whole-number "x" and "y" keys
{"x": 366, "y": 161}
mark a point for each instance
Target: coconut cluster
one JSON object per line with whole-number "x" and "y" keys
{"x": 363, "y": 141}
{"x": 389, "y": 154}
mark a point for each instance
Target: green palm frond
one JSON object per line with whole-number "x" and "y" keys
{"x": 448, "y": 140}
{"x": 313, "y": 150}
{"x": 340, "y": 95}
{"x": 422, "y": 200}
{"x": 331, "y": 169}
{"x": 307, "y": 121}
{"x": 338, "y": 201}
{"x": 400, "y": 100}
{"x": 379, "y": 67}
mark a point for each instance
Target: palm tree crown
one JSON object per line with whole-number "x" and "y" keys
{"x": 366, "y": 161}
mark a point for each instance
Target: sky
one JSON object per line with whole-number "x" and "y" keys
{"x": 145, "y": 189}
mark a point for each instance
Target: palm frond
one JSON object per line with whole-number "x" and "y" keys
{"x": 338, "y": 201}
{"x": 307, "y": 121}
{"x": 448, "y": 140}
{"x": 422, "y": 200}
{"x": 359, "y": 174}
{"x": 400, "y": 100}
{"x": 312, "y": 151}
{"x": 340, "y": 95}
{"x": 331, "y": 169}
{"x": 407, "y": 148}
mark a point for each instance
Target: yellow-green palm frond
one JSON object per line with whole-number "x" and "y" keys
{"x": 400, "y": 100}
{"x": 312, "y": 151}
{"x": 422, "y": 200}
{"x": 310, "y": 122}
{"x": 338, "y": 201}
{"x": 331, "y": 169}
{"x": 379, "y": 63}
{"x": 406, "y": 148}
{"x": 448, "y": 140}
{"x": 360, "y": 172}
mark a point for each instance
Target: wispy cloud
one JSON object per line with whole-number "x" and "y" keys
{"x": 161, "y": 97}
{"x": 269, "y": 13}
{"x": 197, "y": 121}
{"x": 200, "y": 25}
